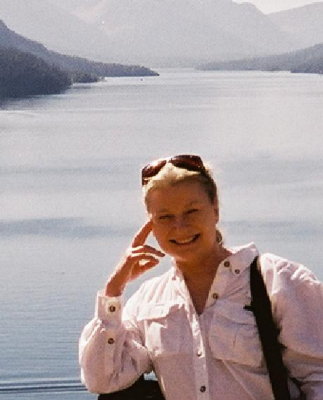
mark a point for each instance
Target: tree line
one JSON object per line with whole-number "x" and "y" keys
{"x": 309, "y": 60}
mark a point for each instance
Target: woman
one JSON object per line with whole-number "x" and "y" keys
{"x": 191, "y": 325}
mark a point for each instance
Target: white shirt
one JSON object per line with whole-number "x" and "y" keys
{"x": 216, "y": 355}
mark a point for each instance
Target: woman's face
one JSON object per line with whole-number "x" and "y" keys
{"x": 183, "y": 220}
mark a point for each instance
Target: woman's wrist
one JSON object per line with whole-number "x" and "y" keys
{"x": 114, "y": 287}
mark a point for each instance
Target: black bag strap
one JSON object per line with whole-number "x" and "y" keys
{"x": 268, "y": 333}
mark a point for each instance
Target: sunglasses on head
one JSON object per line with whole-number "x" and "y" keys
{"x": 187, "y": 161}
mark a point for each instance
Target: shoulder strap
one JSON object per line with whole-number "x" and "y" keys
{"x": 268, "y": 333}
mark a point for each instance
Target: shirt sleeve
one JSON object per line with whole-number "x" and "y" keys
{"x": 297, "y": 301}
{"x": 111, "y": 352}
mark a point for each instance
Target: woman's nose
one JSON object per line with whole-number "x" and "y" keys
{"x": 180, "y": 222}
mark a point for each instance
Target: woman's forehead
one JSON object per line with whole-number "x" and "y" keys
{"x": 165, "y": 208}
{"x": 180, "y": 195}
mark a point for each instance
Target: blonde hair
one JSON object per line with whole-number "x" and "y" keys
{"x": 171, "y": 175}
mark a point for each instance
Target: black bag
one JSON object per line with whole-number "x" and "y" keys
{"x": 268, "y": 333}
{"x": 142, "y": 389}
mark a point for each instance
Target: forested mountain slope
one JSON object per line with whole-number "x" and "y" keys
{"x": 23, "y": 74}
{"x": 309, "y": 60}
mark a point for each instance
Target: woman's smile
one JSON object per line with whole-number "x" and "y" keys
{"x": 186, "y": 241}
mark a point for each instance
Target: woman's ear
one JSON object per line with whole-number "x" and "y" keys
{"x": 216, "y": 210}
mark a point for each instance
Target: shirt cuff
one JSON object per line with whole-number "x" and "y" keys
{"x": 108, "y": 308}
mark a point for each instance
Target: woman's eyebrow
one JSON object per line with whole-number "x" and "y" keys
{"x": 190, "y": 204}
{"x": 194, "y": 202}
{"x": 162, "y": 210}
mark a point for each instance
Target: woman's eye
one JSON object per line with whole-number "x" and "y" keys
{"x": 192, "y": 211}
{"x": 164, "y": 217}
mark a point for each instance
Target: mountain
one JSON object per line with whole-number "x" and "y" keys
{"x": 23, "y": 74}
{"x": 79, "y": 68}
{"x": 46, "y": 22}
{"x": 304, "y": 23}
{"x": 148, "y": 31}
{"x": 183, "y": 30}
{"x": 309, "y": 60}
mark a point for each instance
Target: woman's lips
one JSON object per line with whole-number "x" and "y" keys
{"x": 186, "y": 241}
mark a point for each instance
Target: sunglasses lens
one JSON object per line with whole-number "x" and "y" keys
{"x": 186, "y": 161}
{"x": 151, "y": 170}
{"x": 189, "y": 162}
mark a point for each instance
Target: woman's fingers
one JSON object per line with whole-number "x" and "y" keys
{"x": 148, "y": 249}
{"x": 142, "y": 255}
{"x": 141, "y": 236}
{"x": 142, "y": 263}
{"x": 139, "y": 258}
{"x": 131, "y": 267}
{"x": 138, "y": 243}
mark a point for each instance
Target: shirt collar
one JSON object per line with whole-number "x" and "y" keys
{"x": 241, "y": 258}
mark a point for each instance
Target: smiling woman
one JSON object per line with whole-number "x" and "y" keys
{"x": 194, "y": 326}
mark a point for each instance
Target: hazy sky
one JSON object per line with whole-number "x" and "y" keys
{"x": 268, "y": 6}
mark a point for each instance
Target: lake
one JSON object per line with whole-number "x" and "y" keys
{"x": 70, "y": 194}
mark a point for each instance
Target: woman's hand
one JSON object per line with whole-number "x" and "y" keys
{"x": 139, "y": 258}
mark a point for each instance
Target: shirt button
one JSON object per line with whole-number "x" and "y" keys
{"x": 202, "y": 389}
{"x": 237, "y": 271}
{"x": 199, "y": 353}
{"x": 110, "y": 340}
{"x": 215, "y": 296}
{"x": 227, "y": 264}
{"x": 112, "y": 308}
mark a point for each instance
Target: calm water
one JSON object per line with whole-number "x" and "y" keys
{"x": 70, "y": 197}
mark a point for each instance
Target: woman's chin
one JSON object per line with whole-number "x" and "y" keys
{"x": 185, "y": 253}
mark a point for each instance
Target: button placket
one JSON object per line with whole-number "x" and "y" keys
{"x": 199, "y": 362}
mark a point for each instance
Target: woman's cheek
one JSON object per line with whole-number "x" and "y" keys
{"x": 159, "y": 234}
{"x": 156, "y": 231}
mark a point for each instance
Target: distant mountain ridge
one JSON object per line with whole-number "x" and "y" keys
{"x": 304, "y": 23}
{"x": 28, "y": 68}
{"x": 74, "y": 65}
{"x": 154, "y": 32}
{"x": 309, "y": 60}
{"x": 46, "y": 22}
{"x": 184, "y": 30}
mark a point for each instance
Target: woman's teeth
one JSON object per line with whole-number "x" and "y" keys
{"x": 185, "y": 241}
